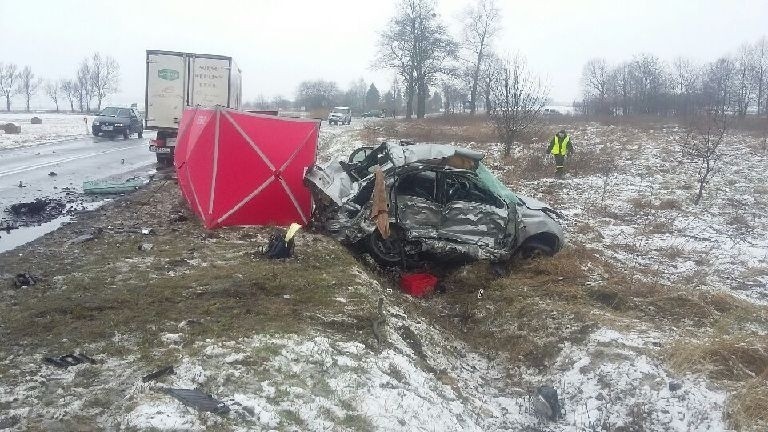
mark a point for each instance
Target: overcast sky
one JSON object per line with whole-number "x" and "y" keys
{"x": 277, "y": 44}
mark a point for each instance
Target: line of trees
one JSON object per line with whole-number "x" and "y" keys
{"x": 96, "y": 79}
{"x": 735, "y": 83}
{"x": 322, "y": 94}
{"x": 433, "y": 70}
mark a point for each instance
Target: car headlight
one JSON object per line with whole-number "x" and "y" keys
{"x": 118, "y": 124}
{"x": 95, "y": 123}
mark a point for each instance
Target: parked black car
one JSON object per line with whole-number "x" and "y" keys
{"x": 113, "y": 121}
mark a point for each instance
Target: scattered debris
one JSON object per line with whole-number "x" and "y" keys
{"x": 21, "y": 184}
{"x": 146, "y": 247}
{"x": 7, "y": 226}
{"x": 167, "y": 370}
{"x": 36, "y": 120}
{"x": 68, "y": 360}
{"x": 36, "y": 212}
{"x": 108, "y": 187}
{"x": 23, "y": 280}
{"x": 546, "y": 404}
{"x": 199, "y": 400}
{"x": 418, "y": 284}
{"x": 147, "y": 231}
{"x": 52, "y": 174}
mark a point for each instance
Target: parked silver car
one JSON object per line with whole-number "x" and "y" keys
{"x": 443, "y": 202}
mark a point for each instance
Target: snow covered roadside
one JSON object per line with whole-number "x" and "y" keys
{"x": 423, "y": 376}
{"x": 55, "y": 127}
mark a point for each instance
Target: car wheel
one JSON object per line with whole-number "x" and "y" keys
{"x": 141, "y": 134}
{"x": 126, "y": 134}
{"x": 95, "y": 133}
{"x": 534, "y": 250}
{"x": 387, "y": 252}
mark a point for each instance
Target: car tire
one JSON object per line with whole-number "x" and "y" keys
{"x": 534, "y": 250}
{"x": 141, "y": 134}
{"x": 389, "y": 252}
{"x": 126, "y": 134}
{"x": 95, "y": 133}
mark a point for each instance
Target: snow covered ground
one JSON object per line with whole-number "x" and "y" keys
{"x": 55, "y": 127}
{"x": 638, "y": 208}
{"x": 420, "y": 378}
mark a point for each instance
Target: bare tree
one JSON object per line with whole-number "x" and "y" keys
{"x": 9, "y": 75}
{"x": 28, "y": 84}
{"x": 744, "y": 77}
{"x": 649, "y": 84}
{"x": 52, "y": 89}
{"x": 596, "y": 78}
{"x": 69, "y": 90}
{"x": 760, "y": 51}
{"x": 518, "y": 99}
{"x": 317, "y": 94}
{"x": 83, "y": 87}
{"x": 718, "y": 86}
{"x": 686, "y": 83}
{"x": 701, "y": 144}
{"x": 104, "y": 76}
{"x": 416, "y": 45}
{"x": 481, "y": 25}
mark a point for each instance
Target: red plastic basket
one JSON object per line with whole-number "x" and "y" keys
{"x": 418, "y": 284}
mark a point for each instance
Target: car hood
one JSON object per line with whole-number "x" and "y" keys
{"x": 534, "y": 204}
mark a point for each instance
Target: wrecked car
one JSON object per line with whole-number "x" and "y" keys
{"x": 442, "y": 202}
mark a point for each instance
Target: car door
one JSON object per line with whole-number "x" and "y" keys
{"x": 472, "y": 213}
{"x": 419, "y": 211}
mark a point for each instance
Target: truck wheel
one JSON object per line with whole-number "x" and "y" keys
{"x": 95, "y": 133}
{"x": 126, "y": 134}
{"x": 163, "y": 159}
{"x": 141, "y": 134}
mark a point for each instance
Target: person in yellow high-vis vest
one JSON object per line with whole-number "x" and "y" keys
{"x": 560, "y": 147}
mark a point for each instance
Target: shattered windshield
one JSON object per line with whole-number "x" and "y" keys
{"x": 495, "y": 185}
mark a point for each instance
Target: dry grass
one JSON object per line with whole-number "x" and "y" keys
{"x": 747, "y": 408}
{"x": 736, "y": 358}
{"x": 451, "y": 129}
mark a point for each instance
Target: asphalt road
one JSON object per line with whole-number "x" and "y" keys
{"x": 73, "y": 162}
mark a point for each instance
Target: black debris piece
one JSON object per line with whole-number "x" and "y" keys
{"x": 37, "y": 211}
{"x": 22, "y": 280}
{"x": 68, "y": 360}
{"x": 546, "y": 403}
{"x": 675, "y": 386}
{"x": 167, "y": 370}
{"x": 199, "y": 400}
{"x": 52, "y": 174}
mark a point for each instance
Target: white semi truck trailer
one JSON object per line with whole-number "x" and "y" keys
{"x": 176, "y": 80}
